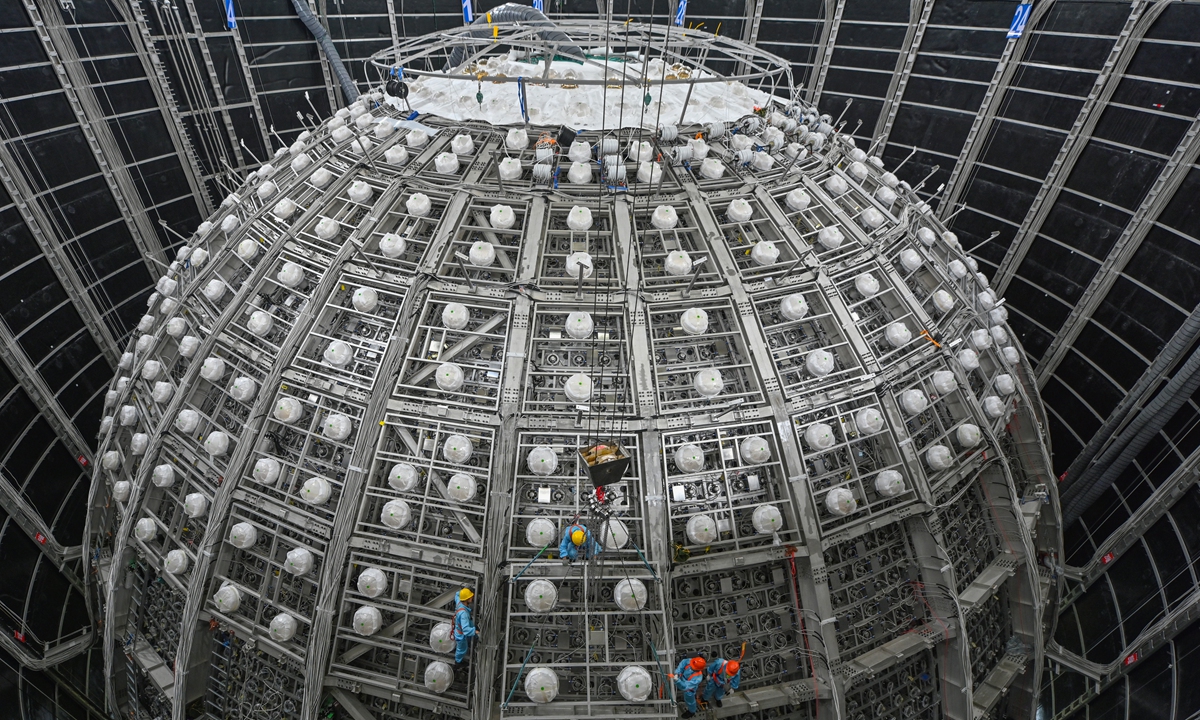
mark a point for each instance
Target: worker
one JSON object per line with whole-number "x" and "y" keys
{"x": 577, "y": 543}
{"x": 724, "y": 676}
{"x": 463, "y": 627}
{"x": 689, "y": 677}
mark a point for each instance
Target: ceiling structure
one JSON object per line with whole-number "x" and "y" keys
{"x": 121, "y": 120}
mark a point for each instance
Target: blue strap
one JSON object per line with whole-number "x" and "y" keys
{"x": 518, "y": 680}
{"x": 535, "y": 557}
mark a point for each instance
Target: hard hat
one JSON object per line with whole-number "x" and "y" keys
{"x": 465, "y": 594}
{"x": 697, "y": 663}
{"x": 732, "y": 667}
{"x": 578, "y": 537}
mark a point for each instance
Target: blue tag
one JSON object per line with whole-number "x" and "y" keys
{"x": 468, "y": 13}
{"x": 1020, "y": 17}
{"x": 539, "y": 5}
{"x": 680, "y": 12}
{"x": 230, "y": 20}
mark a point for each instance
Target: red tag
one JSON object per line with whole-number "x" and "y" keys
{"x": 82, "y": 460}
{"x": 20, "y": 636}
{"x": 1106, "y": 558}
{"x": 40, "y": 538}
{"x": 1131, "y": 659}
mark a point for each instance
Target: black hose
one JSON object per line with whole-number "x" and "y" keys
{"x": 1082, "y": 469}
{"x": 349, "y": 89}
{"x": 1160, "y": 410}
{"x": 514, "y": 13}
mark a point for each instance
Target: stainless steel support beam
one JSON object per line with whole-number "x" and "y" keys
{"x": 42, "y": 395}
{"x": 821, "y": 59}
{"x": 36, "y": 219}
{"x": 1132, "y": 530}
{"x": 1141, "y": 16}
{"x": 143, "y": 44}
{"x": 60, "y": 49}
{"x": 921, "y": 10}
{"x": 1006, "y": 68}
{"x": 1104, "y": 676}
{"x": 259, "y": 118}
{"x": 1169, "y": 180}
{"x": 56, "y": 654}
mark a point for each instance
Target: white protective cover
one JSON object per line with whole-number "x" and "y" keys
{"x": 449, "y": 377}
{"x": 999, "y": 335}
{"x": 1011, "y": 355}
{"x": 368, "y": 620}
{"x": 764, "y": 253}
{"x": 260, "y": 323}
{"x": 914, "y": 401}
{"x": 708, "y": 382}
{"x": 819, "y": 362}
{"x": 282, "y": 628}
{"x": 944, "y": 381}
{"x": 212, "y": 369}
{"x": 677, "y": 263}
{"x": 701, "y": 530}
{"x": 188, "y": 345}
{"x": 754, "y": 450}
{"x": 579, "y": 325}
{"x": 441, "y": 638}
{"x": 711, "y": 168}
{"x": 176, "y": 327}
{"x": 396, "y": 514}
{"x": 145, "y": 529}
{"x": 578, "y": 388}
{"x": 577, "y": 260}
{"x": 613, "y": 534}
{"x": 664, "y": 217}
{"x": 969, "y": 359}
{"x": 338, "y": 353}
{"x": 1005, "y": 384}
{"x": 243, "y": 389}
{"x": 162, "y": 392}
{"x": 285, "y": 208}
{"x": 898, "y": 334}
{"x": 630, "y": 594}
{"x": 943, "y": 301}
{"x": 968, "y": 435}
{"x": 187, "y": 420}
{"x": 455, "y": 316}
{"x": 392, "y": 245}
{"x": 830, "y": 237}
{"x": 502, "y": 217}
{"x": 767, "y": 519}
{"x": 403, "y": 477}
{"x": 649, "y": 172}
{"x": 981, "y": 339}
{"x": 579, "y": 218}
{"x": 176, "y": 562}
{"x": 439, "y": 676}
{"x": 266, "y": 470}
{"x": 243, "y": 535}
{"x": 540, "y": 596}
{"x": 337, "y": 426}
{"x": 151, "y": 369}
{"x": 372, "y": 582}
{"x": 819, "y": 436}
{"x": 316, "y": 491}
{"x": 195, "y": 505}
{"x": 365, "y": 299}
{"x": 217, "y": 443}
{"x": 542, "y": 461}
{"x": 689, "y": 458}
{"x": 836, "y": 185}
{"x": 288, "y": 409}
{"x": 889, "y": 483}
{"x": 121, "y": 490}
{"x": 327, "y": 228}
{"x": 580, "y": 173}
{"x": 517, "y": 139}
{"x": 840, "y": 502}
{"x": 694, "y": 321}
{"x": 299, "y": 561}
{"x": 994, "y": 406}
{"x": 457, "y": 449}
{"x": 214, "y": 290}
{"x": 798, "y": 199}
{"x": 461, "y": 487}
{"x": 910, "y": 259}
{"x": 540, "y": 532}
{"x": 868, "y": 421}
{"x": 866, "y": 284}
{"x": 418, "y": 204}
{"x": 446, "y": 163}
{"x": 793, "y": 307}
{"x": 462, "y": 144}
{"x": 634, "y": 683}
{"x": 939, "y": 457}
{"x": 228, "y": 599}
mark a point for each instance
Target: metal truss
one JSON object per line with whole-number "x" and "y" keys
{"x": 1142, "y": 15}
{"x": 60, "y": 50}
{"x": 398, "y": 439}
{"x": 824, "y": 54}
{"x": 981, "y": 126}
{"x": 1168, "y": 181}
{"x": 37, "y": 220}
{"x": 921, "y": 10}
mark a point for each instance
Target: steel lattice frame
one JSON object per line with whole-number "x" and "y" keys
{"x": 929, "y": 600}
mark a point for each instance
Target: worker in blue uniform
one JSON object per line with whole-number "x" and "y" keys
{"x": 464, "y": 628}
{"x": 577, "y": 544}
{"x": 723, "y": 677}
{"x": 689, "y": 679}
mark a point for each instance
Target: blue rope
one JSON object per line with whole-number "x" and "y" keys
{"x": 535, "y": 557}
{"x": 643, "y": 559}
{"x": 518, "y": 680}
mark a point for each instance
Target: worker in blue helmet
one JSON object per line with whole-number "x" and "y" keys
{"x": 723, "y": 676}
{"x": 577, "y": 544}
{"x": 464, "y": 628}
{"x": 689, "y": 680}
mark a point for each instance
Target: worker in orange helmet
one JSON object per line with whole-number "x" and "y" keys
{"x": 724, "y": 676}
{"x": 689, "y": 679}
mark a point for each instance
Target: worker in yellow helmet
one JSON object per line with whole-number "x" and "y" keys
{"x": 464, "y": 629}
{"x": 577, "y": 544}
